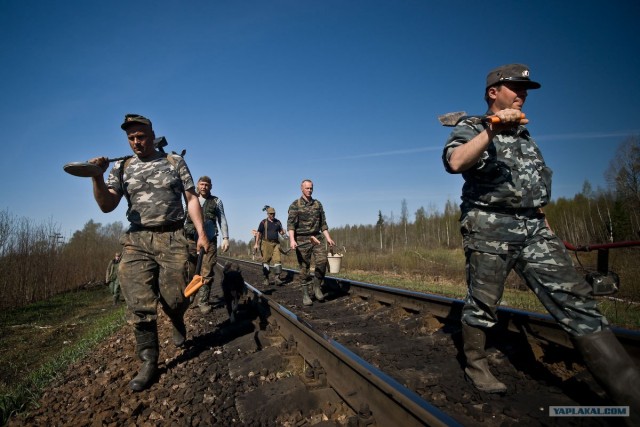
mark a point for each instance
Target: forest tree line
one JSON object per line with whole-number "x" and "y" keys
{"x": 592, "y": 216}
{"x": 36, "y": 263}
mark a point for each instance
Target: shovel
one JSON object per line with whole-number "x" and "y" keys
{"x": 87, "y": 169}
{"x": 452, "y": 119}
{"x": 197, "y": 280}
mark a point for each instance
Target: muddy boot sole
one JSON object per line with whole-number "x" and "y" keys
{"x": 487, "y": 383}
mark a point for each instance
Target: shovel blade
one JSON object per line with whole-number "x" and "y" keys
{"x": 451, "y": 119}
{"x": 82, "y": 169}
{"x": 194, "y": 285}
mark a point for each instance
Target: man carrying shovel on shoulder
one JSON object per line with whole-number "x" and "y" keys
{"x": 155, "y": 250}
{"x": 506, "y": 186}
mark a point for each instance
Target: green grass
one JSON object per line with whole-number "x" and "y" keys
{"x": 32, "y": 338}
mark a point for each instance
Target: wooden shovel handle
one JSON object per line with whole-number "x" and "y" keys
{"x": 496, "y": 119}
{"x": 199, "y": 263}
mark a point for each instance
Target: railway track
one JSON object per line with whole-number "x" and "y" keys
{"x": 368, "y": 355}
{"x": 369, "y": 391}
{"x": 396, "y": 353}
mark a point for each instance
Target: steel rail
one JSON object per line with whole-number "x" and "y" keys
{"x": 541, "y": 327}
{"x": 596, "y": 246}
{"x": 356, "y": 381}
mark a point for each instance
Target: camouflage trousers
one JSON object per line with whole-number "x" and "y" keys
{"x": 153, "y": 269}
{"x": 497, "y": 243}
{"x": 305, "y": 250}
{"x": 114, "y": 287}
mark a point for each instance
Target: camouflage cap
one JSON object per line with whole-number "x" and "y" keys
{"x": 514, "y": 73}
{"x": 271, "y": 210}
{"x": 133, "y": 119}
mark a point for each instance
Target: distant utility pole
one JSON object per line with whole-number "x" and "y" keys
{"x": 404, "y": 214}
{"x": 57, "y": 239}
{"x": 380, "y": 224}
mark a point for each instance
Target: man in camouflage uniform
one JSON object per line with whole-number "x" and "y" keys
{"x": 213, "y": 212}
{"x": 112, "y": 278}
{"x": 155, "y": 250}
{"x": 507, "y": 183}
{"x": 308, "y": 231}
{"x": 269, "y": 244}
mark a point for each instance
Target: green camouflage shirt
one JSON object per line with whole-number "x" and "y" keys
{"x": 112, "y": 270}
{"x": 511, "y": 173}
{"x": 155, "y": 188}
{"x": 306, "y": 218}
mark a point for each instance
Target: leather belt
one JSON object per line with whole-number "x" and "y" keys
{"x": 530, "y": 212}
{"x": 174, "y": 226}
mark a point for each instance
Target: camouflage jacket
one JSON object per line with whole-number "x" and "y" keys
{"x": 112, "y": 271}
{"x": 153, "y": 187}
{"x": 511, "y": 173}
{"x": 214, "y": 218}
{"x": 306, "y": 218}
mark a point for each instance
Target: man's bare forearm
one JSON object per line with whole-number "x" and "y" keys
{"x": 106, "y": 199}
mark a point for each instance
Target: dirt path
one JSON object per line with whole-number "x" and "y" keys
{"x": 223, "y": 376}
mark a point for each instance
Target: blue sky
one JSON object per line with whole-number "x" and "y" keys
{"x": 263, "y": 94}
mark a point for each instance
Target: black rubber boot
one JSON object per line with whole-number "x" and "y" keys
{"x": 317, "y": 291}
{"x": 265, "y": 272}
{"x": 277, "y": 269}
{"x": 613, "y": 369}
{"x": 202, "y": 296}
{"x": 147, "y": 349}
{"x": 477, "y": 370}
{"x": 306, "y": 299}
{"x": 179, "y": 334}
